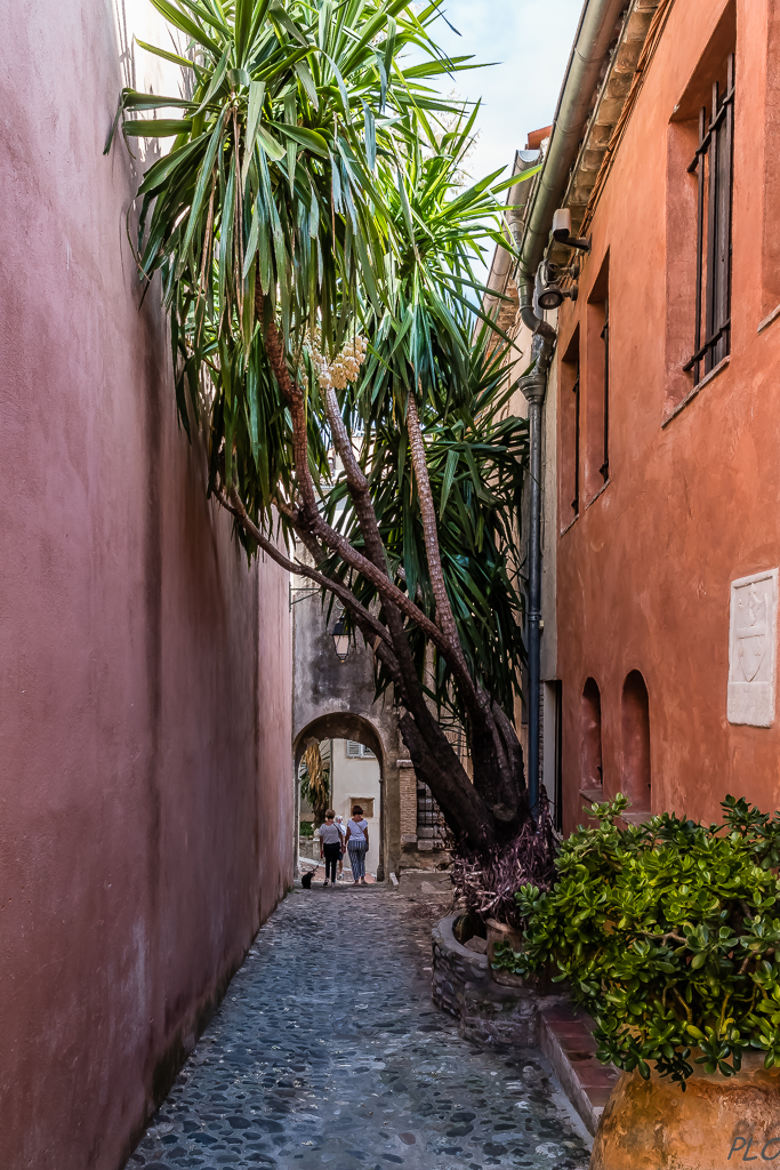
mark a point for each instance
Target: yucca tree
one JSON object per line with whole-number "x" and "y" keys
{"x": 316, "y": 247}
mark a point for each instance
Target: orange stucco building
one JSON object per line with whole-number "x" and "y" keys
{"x": 660, "y": 426}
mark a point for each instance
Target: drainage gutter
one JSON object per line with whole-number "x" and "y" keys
{"x": 596, "y": 32}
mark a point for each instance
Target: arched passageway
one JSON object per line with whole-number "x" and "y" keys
{"x": 336, "y": 698}
{"x": 356, "y": 759}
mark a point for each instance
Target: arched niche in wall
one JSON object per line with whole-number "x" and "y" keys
{"x": 591, "y": 771}
{"x": 635, "y": 712}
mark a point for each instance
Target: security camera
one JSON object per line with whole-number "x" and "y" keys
{"x": 548, "y": 290}
{"x": 561, "y": 230}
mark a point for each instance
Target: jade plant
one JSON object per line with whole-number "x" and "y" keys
{"x": 668, "y": 933}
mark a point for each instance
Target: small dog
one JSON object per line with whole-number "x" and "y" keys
{"x": 306, "y": 880}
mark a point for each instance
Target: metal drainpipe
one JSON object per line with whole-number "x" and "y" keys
{"x": 594, "y": 35}
{"x": 534, "y": 386}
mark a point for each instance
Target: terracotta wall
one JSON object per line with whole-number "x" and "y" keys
{"x": 145, "y": 793}
{"x": 692, "y": 501}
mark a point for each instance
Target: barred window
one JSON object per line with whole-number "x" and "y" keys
{"x": 713, "y": 167}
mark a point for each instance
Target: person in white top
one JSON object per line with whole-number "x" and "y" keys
{"x": 330, "y": 846}
{"x": 357, "y": 845}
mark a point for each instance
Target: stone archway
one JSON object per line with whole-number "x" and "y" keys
{"x": 346, "y": 725}
{"x": 337, "y": 700}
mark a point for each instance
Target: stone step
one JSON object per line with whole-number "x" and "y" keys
{"x": 566, "y": 1039}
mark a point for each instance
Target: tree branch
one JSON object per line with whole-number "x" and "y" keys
{"x": 456, "y": 795}
{"x": 444, "y": 614}
{"x": 310, "y": 517}
{"x": 235, "y": 505}
{"x": 478, "y": 701}
{"x": 392, "y": 643}
{"x": 358, "y": 488}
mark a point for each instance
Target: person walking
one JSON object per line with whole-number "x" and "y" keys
{"x": 357, "y": 845}
{"x": 330, "y": 846}
{"x": 342, "y": 828}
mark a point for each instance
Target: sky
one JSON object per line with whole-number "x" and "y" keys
{"x": 531, "y": 41}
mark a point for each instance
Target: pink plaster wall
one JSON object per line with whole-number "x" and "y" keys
{"x": 145, "y": 797}
{"x": 644, "y": 572}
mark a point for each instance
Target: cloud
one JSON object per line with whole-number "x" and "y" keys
{"x": 531, "y": 40}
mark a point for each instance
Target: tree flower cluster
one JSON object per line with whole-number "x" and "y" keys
{"x": 345, "y": 366}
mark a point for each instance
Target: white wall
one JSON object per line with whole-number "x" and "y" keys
{"x": 357, "y": 781}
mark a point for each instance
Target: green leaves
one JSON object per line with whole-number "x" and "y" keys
{"x": 475, "y": 454}
{"x": 669, "y": 933}
{"x": 312, "y": 140}
{"x": 181, "y": 19}
{"x": 316, "y": 177}
{"x": 156, "y": 128}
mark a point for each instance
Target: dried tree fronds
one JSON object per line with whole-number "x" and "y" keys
{"x": 487, "y": 882}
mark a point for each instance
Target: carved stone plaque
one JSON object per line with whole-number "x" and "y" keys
{"x": 753, "y": 649}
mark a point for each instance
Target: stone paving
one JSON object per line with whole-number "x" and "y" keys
{"x": 328, "y": 1052}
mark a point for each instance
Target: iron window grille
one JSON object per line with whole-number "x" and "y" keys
{"x": 713, "y": 165}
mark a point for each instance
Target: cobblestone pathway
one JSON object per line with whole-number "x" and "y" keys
{"x": 312, "y": 1062}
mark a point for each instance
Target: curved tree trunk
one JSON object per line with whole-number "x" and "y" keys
{"x": 492, "y": 808}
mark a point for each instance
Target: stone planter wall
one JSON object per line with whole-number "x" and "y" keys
{"x": 464, "y": 987}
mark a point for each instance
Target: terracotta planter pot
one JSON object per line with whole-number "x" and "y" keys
{"x": 716, "y": 1124}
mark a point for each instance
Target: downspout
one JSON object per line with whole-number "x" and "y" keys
{"x": 534, "y": 386}
{"x": 595, "y": 34}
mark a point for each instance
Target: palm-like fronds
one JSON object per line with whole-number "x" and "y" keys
{"x": 476, "y": 454}
{"x": 277, "y": 180}
{"x": 424, "y": 341}
{"x": 272, "y": 173}
{"x": 313, "y": 190}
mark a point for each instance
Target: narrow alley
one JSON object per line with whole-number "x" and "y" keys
{"x": 327, "y": 1051}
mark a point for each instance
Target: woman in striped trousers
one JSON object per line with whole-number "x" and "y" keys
{"x": 357, "y": 845}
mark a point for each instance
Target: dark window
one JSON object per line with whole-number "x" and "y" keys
{"x": 595, "y": 375}
{"x": 575, "y": 503}
{"x": 604, "y": 469}
{"x": 569, "y": 482}
{"x": 713, "y": 166}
